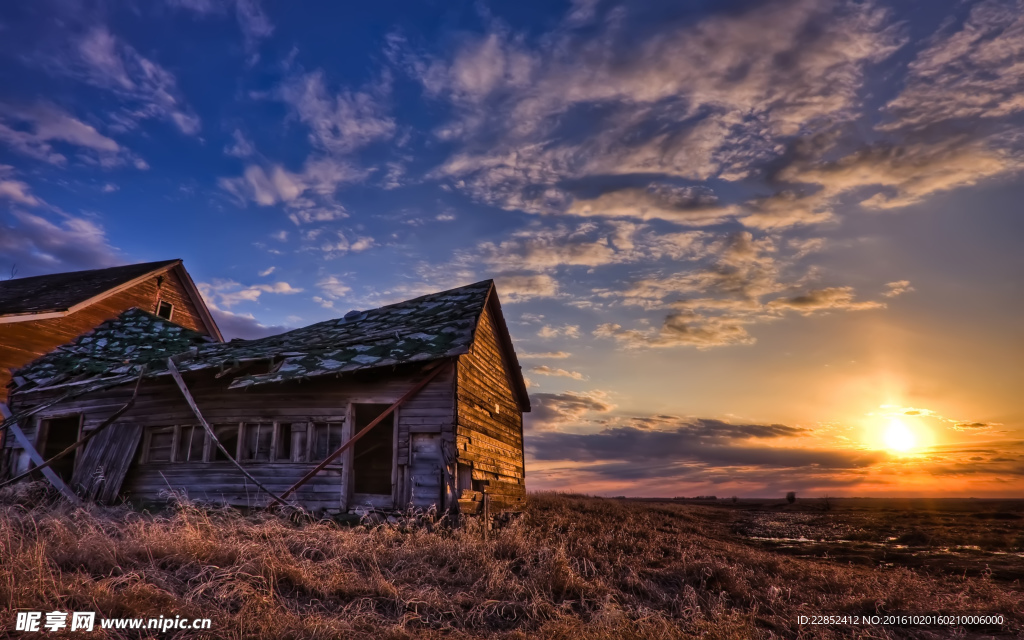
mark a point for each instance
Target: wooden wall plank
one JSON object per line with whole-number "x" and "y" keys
{"x": 489, "y": 432}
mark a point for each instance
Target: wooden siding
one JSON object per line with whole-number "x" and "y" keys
{"x": 489, "y": 437}
{"x": 160, "y": 403}
{"x": 23, "y": 342}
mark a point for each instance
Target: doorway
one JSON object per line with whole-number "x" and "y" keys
{"x": 59, "y": 434}
{"x": 373, "y": 454}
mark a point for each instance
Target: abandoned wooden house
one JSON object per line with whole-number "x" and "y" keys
{"x": 418, "y": 403}
{"x": 40, "y": 313}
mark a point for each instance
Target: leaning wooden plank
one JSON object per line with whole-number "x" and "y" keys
{"x": 351, "y": 441}
{"x": 37, "y": 459}
{"x": 103, "y": 464}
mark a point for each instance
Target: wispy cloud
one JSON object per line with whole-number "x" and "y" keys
{"x": 766, "y": 73}
{"x": 59, "y": 242}
{"x": 517, "y": 288}
{"x": 567, "y": 331}
{"x": 252, "y": 20}
{"x": 544, "y": 355}
{"x": 339, "y": 123}
{"x": 106, "y": 61}
{"x": 241, "y": 146}
{"x": 228, "y": 293}
{"x": 545, "y": 370}
{"x": 33, "y": 131}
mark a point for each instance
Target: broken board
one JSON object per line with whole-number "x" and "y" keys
{"x": 103, "y": 465}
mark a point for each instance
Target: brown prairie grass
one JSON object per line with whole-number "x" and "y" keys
{"x": 571, "y": 567}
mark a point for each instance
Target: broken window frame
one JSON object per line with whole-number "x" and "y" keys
{"x": 302, "y": 436}
{"x": 170, "y": 309}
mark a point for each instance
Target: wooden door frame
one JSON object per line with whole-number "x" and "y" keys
{"x": 348, "y": 468}
{"x": 43, "y": 432}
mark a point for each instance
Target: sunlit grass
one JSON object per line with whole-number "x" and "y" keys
{"x": 571, "y": 567}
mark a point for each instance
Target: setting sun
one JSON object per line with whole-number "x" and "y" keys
{"x": 898, "y": 437}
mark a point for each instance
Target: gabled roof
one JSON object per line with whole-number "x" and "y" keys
{"x": 64, "y": 291}
{"x": 60, "y": 294}
{"x": 430, "y": 327}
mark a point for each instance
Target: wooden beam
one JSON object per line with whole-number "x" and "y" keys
{"x": 213, "y": 437}
{"x": 351, "y": 441}
{"x": 34, "y": 456}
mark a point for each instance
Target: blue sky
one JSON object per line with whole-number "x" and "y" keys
{"x": 721, "y": 230}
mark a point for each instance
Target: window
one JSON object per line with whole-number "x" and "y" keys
{"x": 164, "y": 309}
{"x": 228, "y": 436}
{"x": 256, "y": 441}
{"x": 191, "y": 440}
{"x": 300, "y": 441}
{"x": 160, "y": 445}
{"x": 284, "y": 442}
{"x": 246, "y": 442}
{"x": 326, "y": 439}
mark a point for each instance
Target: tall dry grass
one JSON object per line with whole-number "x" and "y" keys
{"x": 571, "y": 567}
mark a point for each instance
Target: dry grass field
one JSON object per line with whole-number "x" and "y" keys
{"x": 570, "y": 567}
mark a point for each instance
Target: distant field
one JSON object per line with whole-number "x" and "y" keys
{"x": 571, "y": 567}
{"x": 939, "y": 536}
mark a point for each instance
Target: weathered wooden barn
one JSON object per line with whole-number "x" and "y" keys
{"x": 40, "y": 313}
{"x": 249, "y": 422}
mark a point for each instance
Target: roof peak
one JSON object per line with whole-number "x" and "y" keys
{"x": 156, "y": 264}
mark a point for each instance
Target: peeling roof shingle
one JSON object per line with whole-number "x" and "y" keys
{"x": 434, "y": 326}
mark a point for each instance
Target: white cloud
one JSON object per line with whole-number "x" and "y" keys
{"x": 227, "y": 293}
{"x": 545, "y": 355}
{"x": 243, "y": 325}
{"x": 340, "y": 243}
{"x": 151, "y": 91}
{"x": 739, "y": 281}
{"x": 33, "y": 132}
{"x": 14, "y": 190}
{"x": 240, "y": 147}
{"x": 276, "y": 185}
{"x": 333, "y": 288}
{"x": 545, "y": 370}
{"x": 764, "y": 74}
{"x": 567, "y": 331}
{"x": 517, "y": 288}
{"x": 38, "y": 244}
{"x": 339, "y": 123}
{"x": 897, "y": 288}
{"x": 974, "y": 72}
{"x": 266, "y": 272}
{"x": 253, "y": 22}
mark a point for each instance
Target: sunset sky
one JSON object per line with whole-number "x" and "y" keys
{"x": 742, "y": 247}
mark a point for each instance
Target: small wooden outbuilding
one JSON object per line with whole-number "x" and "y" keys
{"x": 285, "y": 418}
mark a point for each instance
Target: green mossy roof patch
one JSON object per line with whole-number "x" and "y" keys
{"x": 427, "y": 328}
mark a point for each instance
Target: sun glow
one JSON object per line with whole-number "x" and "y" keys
{"x": 899, "y": 437}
